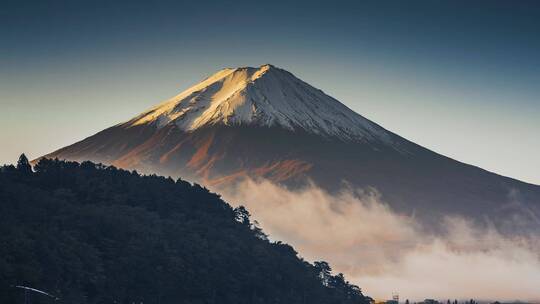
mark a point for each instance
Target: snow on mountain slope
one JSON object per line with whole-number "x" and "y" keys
{"x": 264, "y": 96}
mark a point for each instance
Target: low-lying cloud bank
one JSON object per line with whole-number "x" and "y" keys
{"x": 384, "y": 252}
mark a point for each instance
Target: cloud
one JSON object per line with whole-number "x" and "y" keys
{"x": 383, "y": 251}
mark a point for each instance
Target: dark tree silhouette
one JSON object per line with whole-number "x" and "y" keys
{"x": 242, "y": 215}
{"x": 324, "y": 271}
{"x": 23, "y": 165}
{"x": 89, "y": 233}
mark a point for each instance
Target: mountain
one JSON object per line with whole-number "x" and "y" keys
{"x": 265, "y": 97}
{"x": 265, "y": 122}
{"x": 87, "y": 233}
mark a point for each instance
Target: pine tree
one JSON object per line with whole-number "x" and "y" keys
{"x": 23, "y": 164}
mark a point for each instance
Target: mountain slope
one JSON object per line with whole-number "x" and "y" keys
{"x": 267, "y": 96}
{"x": 94, "y": 234}
{"x": 264, "y": 122}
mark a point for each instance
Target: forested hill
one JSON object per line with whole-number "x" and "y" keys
{"x": 89, "y": 233}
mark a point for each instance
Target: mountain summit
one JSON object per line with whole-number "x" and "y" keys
{"x": 266, "y": 123}
{"x": 266, "y": 96}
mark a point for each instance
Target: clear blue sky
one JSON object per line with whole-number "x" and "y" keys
{"x": 458, "y": 77}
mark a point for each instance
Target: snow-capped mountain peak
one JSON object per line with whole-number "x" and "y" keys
{"x": 265, "y": 96}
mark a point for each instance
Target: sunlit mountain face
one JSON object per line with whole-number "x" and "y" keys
{"x": 265, "y": 123}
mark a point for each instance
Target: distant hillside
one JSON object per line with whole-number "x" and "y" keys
{"x": 88, "y": 233}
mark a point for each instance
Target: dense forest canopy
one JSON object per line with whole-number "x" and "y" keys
{"x": 89, "y": 233}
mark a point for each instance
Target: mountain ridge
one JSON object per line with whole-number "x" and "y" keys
{"x": 218, "y": 151}
{"x": 263, "y": 96}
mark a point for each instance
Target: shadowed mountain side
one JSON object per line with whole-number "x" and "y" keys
{"x": 420, "y": 182}
{"x": 266, "y": 123}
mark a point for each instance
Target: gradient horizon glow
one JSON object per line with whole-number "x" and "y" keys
{"x": 458, "y": 77}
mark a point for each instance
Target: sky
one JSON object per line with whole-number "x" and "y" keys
{"x": 457, "y": 77}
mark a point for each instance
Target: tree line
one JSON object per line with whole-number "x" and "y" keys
{"x": 90, "y": 233}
